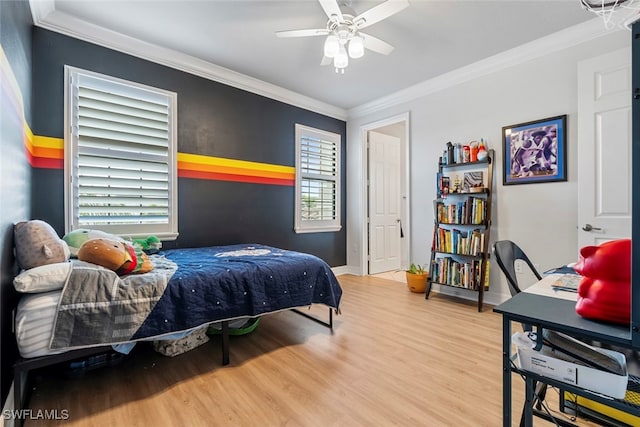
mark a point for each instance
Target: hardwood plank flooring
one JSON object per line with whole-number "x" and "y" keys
{"x": 394, "y": 359}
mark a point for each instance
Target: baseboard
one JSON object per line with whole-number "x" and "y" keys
{"x": 344, "y": 269}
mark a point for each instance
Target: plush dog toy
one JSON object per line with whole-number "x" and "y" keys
{"x": 604, "y": 293}
{"x": 115, "y": 255}
{"x": 37, "y": 243}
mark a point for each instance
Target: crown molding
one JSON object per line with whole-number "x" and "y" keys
{"x": 555, "y": 42}
{"x": 41, "y": 9}
{"x": 45, "y": 16}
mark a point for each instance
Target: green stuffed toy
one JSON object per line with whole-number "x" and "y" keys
{"x": 150, "y": 245}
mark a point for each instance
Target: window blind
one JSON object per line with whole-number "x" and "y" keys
{"x": 317, "y": 180}
{"x": 123, "y": 167}
{"x": 318, "y": 186}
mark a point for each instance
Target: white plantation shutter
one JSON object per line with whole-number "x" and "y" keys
{"x": 317, "y": 180}
{"x": 121, "y": 165}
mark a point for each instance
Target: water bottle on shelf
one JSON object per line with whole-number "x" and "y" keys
{"x": 450, "y": 158}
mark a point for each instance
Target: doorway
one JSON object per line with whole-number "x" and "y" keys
{"x": 604, "y": 153}
{"x": 386, "y": 223}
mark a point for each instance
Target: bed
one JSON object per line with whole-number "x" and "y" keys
{"x": 188, "y": 289}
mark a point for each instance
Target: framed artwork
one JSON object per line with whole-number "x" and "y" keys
{"x": 535, "y": 151}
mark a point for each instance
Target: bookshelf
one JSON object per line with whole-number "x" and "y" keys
{"x": 462, "y": 222}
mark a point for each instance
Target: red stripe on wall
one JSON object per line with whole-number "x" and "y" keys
{"x": 43, "y": 162}
{"x": 236, "y": 178}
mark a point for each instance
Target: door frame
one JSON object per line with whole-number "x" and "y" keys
{"x": 406, "y": 205}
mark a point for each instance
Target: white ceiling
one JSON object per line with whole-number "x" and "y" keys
{"x": 431, "y": 38}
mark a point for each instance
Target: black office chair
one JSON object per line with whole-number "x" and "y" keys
{"x": 506, "y": 253}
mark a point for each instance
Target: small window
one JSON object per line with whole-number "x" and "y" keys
{"x": 120, "y": 156}
{"x": 317, "y": 180}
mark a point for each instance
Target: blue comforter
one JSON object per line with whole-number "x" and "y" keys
{"x": 227, "y": 282}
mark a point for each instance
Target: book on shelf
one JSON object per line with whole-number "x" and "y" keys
{"x": 470, "y": 211}
{"x": 458, "y": 241}
{"x": 444, "y": 183}
{"x": 448, "y": 271}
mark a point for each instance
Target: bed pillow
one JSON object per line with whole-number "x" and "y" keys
{"x": 43, "y": 279}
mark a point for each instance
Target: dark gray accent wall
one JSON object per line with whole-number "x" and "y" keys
{"x": 15, "y": 38}
{"x": 635, "y": 208}
{"x": 214, "y": 120}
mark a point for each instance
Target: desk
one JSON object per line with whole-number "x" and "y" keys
{"x": 547, "y": 311}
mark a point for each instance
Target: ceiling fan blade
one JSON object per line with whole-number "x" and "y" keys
{"x": 326, "y": 60}
{"x": 303, "y": 33}
{"x": 376, "y": 45}
{"x": 380, "y": 12}
{"x": 331, "y": 8}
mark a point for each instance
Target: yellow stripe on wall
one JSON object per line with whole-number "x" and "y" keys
{"x": 232, "y": 163}
{"x": 48, "y": 142}
{"x": 45, "y": 146}
{"x": 44, "y": 149}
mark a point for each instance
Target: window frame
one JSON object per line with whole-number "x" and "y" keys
{"x": 317, "y": 226}
{"x": 164, "y": 231}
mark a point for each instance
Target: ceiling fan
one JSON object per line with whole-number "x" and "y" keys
{"x": 344, "y": 38}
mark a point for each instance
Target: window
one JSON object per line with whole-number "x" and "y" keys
{"x": 317, "y": 180}
{"x": 120, "y": 156}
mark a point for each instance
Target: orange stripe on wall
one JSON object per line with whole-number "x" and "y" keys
{"x": 48, "y": 152}
{"x": 187, "y": 166}
{"x": 235, "y": 178}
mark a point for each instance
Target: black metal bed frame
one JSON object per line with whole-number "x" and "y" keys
{"x": 23, "y": 366}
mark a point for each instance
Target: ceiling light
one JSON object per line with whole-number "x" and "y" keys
{"x": 341, "y": 60}
{"x": 331, "y": 46}
{"x": 356, "y": 47}
{"x": 343, "y": 28}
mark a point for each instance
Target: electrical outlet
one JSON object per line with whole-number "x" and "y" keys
{"x": 518, "y": 266}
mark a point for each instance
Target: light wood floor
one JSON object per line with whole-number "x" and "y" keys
{"x": 394, "y": 359}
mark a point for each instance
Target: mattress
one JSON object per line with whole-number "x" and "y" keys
{"x": 34, "y": 323}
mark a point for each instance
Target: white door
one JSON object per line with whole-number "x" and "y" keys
{"x": 384, "y": 203}
{"x": 604, "y": 148}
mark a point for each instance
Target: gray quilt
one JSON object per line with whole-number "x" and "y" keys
{"x": 99, "y": 307}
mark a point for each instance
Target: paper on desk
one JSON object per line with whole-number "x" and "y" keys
{"x": 545, "y": 288}
{"x": 567, "y": 282}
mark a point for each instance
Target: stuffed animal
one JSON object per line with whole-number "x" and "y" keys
{"x": 604, "y": 293}
{"x": 150, "y": 245}
{"x": 37, "y": 243}
{"x": 76, "y": 238}
{"x": 115, "y": 255}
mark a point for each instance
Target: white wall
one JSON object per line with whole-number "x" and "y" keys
{"x": 541, "y": 218}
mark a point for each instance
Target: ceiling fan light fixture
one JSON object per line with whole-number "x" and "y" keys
{"x": 356, "y": 47}
{"x": 343, "y": 37}
{"x": 331, "y": 46}
{"x": 341, "y": 60}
